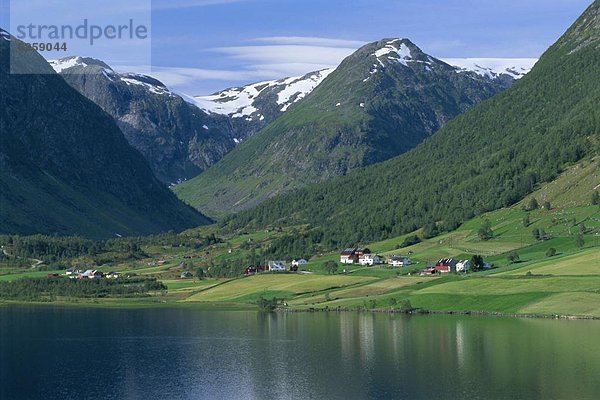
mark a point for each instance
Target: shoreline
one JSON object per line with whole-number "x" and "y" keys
{"x": 447, "y": 312}
{"x": 252, "y": 308}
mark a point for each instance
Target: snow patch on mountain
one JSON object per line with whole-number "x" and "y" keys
{"x": 241, "y": 101}
{"x": 394, "y": 52}
{"x": 493, "y": 67}
{"x": 236, "y": 102}
{"x": 148, "y": 82}
{"x": 66, "y": 63}
{"x": 4, "y": 35}
{"x": 296, "y": 89}
{"x": 80, "y": 64}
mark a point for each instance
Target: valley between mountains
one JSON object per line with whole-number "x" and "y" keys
{"x": 257, "y": 196}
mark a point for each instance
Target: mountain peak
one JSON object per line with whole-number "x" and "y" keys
{"x": 394, "y": 50}
{"x": 87, "y": 65}
{"x": 245, "y": 102}
{"x": 77, "y": 62}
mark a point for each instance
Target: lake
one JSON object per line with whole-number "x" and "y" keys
{"x": 76, "y": 353}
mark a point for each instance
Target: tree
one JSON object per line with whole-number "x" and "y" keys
{"x": 547, "y": 205}
{"x": 533, "y": 204}
{"x": 485, "y": 231}
{"x": 331, "y": 267}
{"x": 579, "y": 241}
{"x": 392, "y": 302}
{"x": 477, "y": 262}
{"x": 406, "y": 306}
{"x": 430, "y": 230}
{"x": 526, "y": 220}
{"x": 267, "y": 305}
{"x": 596, "y": 198}
{"x": 200, "y": 273}
{"x": 410, "y": 240}
{"x": 536, "y": 234}
{"x": 551, "y": 252}
{"x": 513, "y": 257}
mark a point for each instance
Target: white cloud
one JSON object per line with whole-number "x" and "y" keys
{"x": 275, "y": 58}
{"x": 311, "y": 41}
{"x": 270, "y": 54}
{"x": 177, "y": 76}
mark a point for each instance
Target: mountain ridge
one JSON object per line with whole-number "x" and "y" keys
{"x": 65, "y": 167}
{"x": 380, "y": 102}
{"x": 489, "y": 157}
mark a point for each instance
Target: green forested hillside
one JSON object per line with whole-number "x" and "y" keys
{"x": 490, "y": 157}
{"x": 382, "y": 101}
{"x": 65, "y": 167}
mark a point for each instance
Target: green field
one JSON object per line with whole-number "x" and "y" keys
{"x": 585, "y": 263}
{"x": 270, "y": 285}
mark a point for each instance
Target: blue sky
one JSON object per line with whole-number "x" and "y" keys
{"x": 200, "y": 46}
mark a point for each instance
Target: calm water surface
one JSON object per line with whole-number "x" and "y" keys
{"x": 57, "y": 353}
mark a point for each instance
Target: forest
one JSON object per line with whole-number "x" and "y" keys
{"x": 485, "y": 159}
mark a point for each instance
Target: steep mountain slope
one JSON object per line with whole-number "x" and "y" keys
{"x": 380, "y": 102}
{"x": 489, "y": 157}
{"x": 178, "y": 140}
{"x": 66, "y": 168}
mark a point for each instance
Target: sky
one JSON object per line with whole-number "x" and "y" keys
{"x": 202, "y": 46}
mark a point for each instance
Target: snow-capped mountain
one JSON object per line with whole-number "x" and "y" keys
{"x": 252, "y": 102}
{"x": 79, "y": 65}
{"x": 205, "y": 128}
{"x": 246, "y": 102}
{"x": 396, "y": 51}
{"x": 381, "y": 101}
{"x": 493, "y": 68}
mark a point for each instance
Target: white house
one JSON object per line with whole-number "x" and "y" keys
{"x": 463, "y": 266}
{"x": 277, "y": 266}
{"x": 369, "y": 259}
{"x": 399, "y": 261}
{"x": 299, "y": 263}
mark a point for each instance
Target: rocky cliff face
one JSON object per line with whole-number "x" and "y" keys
{"x": 178, "y": 139}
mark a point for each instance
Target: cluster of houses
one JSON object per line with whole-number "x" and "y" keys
{"x": 89, "y": 274}
{"x": 446, "y": 265}
{"x": 278, "y": 266}
{"x": 363, "y": 256}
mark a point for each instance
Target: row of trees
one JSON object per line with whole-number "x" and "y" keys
{"x": 53, "y": 249}
{"x": 51, "y": 288}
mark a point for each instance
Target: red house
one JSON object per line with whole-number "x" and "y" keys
{"x": 446, "y": 265}
{"x": 349, "y": 256}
